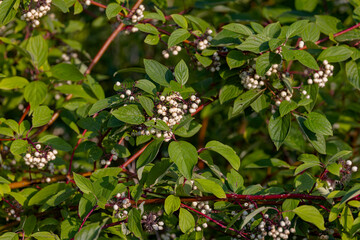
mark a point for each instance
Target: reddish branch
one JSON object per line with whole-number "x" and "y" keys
{"x": 24, "y": 114}
{"x": 135, "y": 156}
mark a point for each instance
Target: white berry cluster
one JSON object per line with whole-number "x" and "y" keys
{"x": 67, "y": 57}
{"x": 305, "y": 93}
{"x": 173, "y": 50}
{"x": 215, "y": 66}
{"x": 40, "y": 158}
{"x": 124, "y": 203}
{"x": 33, "y": 15}
{"x": 347, "y": 167}
{"x": 284, "y": 95}
{"x": 199, "y": 228}
{"x": 167, "y": 236}
{"x": 273, "y": 69}
{"x": 321, "y": 77}
{"x": 151, "y": 222}
{"x": 14, "y": 212}
{"x": 126, "y": 93}
{"x": 324, "y": 237}
{"x": 138, "y": 15}
{"x": 251, "y": 80}
{"x": 204, "y": 43}
{"x": 204, "y": 207}
{"x": 114, "y": 156}
{"x": 276, "y": 231}
{"x": 170, "y": 109}
{"x": 87, "y": 2}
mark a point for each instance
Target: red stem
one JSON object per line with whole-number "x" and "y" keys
{"x": 24, "y": 114}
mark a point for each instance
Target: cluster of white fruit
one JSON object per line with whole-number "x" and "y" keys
{"x": 251, "y": 80}
{"x": 280, "y": 231}
{"x": 14, "y": 214}
{"x": 87, "y": 2}
{"x": 151, "y": 222}
{"x": 167, "y": 236}
{"x": 67, "y": 57}
{"x": 171, "y": 109}
{"x": 114, "y": 156}
{"x": 199, "y": 228}
{"x": 284, "y": 95}
{"x": 174, "y": 50}
{"x": 204, "y": 207}
{"x": 126, "y": 93}
{"x": 321, "y": 77}
{"x": 305, "y": 93}
{"x": 35, "y": 14}
{"x": 349, "y": 165}
{"x": 215, "y": 66}
{"x": 40, "y": 158}
{"x": 124, "y": 203}
{"x": 273, "y": 69}
{"x": 138, "y": 15}
{"x": 204, "y": 43}
{"x": 324, "y": 237}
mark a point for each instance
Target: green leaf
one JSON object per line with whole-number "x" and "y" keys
{"x": 146, "y": 86}
{"x": 305, "y": 5}
{"x": 78, "y": 8}
{"x": 112, "y": 10}
{"x": 279, "y": 128}
{"x": 104, "y": 103}
{"x": 178, "y": 36}
{"x": 205, "y": 61}
{"x": 129, "y": 114}
{"x": 317, "y": 140}
{"x": 255, "y": 43}
{"x": 13, "y": 83}
{"x": 210, "y": 186}
{"x": 66, "y": 71}
{"x": 318, "y": 123}
{"x": 286, "y": 107}
{"x": 147, "y": 28}
{"x": 158, "y": 72}
{"x": 84, "y": 184}
{"x": 353, "y": 74}
{"x": 134, "y": 222}
{"x": 335, "y": 54}
{"x": 306, "y": 59}
{"x": 310, "y": 214}
{"x": 91, "y": 231}
{"x": 172, "y": 204}
{"x": 41, "y": 116}
{"x": 229, "y": 92}
{"x": 180, "y": 20}
{"x": 185, "y": 156}
{"x": 9, "y": 236}
{"x": 44, "y": 194}
{"x": 313, "y": 91}
{"x": 150, "y": 153}
{"x": 186, "y": 220}
{"x": 19, "y": 146}
{"x": 38, "y": 49}
{"x": 227, "y": 152}
{"x": 265, "y": 61}
{"x": 152, "y": 39}
{"x": 311, "y": 32}
{"x": 341, "y": 154}
{"x": 44, "y": 236}
{"x": 35, "y": 93}
{"x": 236, "y": 59}
{"x": 181, "y": 72}
{"x": 56, "y": 142}
{"x": 244, "y": 100}
{"x": 235, "y": 180}
{"x": 61, "y": 5}
{"x": 7, "y": 13}
{"x": 147, "y": 104}
{"x": 238, "y": 28}
{"x": 328, "y": 24}
{"x": 252, "y": 215}
{"x": 296, "y": 28}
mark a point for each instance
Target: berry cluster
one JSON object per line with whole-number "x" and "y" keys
{"x": 39, "y": 158}
{"x": 126, "y": 93}
{"x": 114, "y": 156}
{"x": 321, "y": 77}
{"x": 151, "y": 222}
{"x": 204, "y": 42}
{"x": 251, "y": 80}
{"x": 122, "y": 202}
{"x": 35, "y": 14}
{"x": 277, "y": 231}
{"x": 284, "y": 95}
{"x": 168, "y": 236}
{"x": 349, "y": 164}
{"x": 199, "y": 228}
{"x": 204, "y": 207}
{"x": 87, "y": 2}
{"x": 170, "y": 109}
{"x": 138, "y": 15}
{"x": 174, "y": 50}
{"x": 15, "y": 211}
{"x": 215, "y": 66}
{"x": 67, "y": 57}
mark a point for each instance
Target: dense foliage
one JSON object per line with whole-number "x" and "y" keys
{"x": 179, "y": 119}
